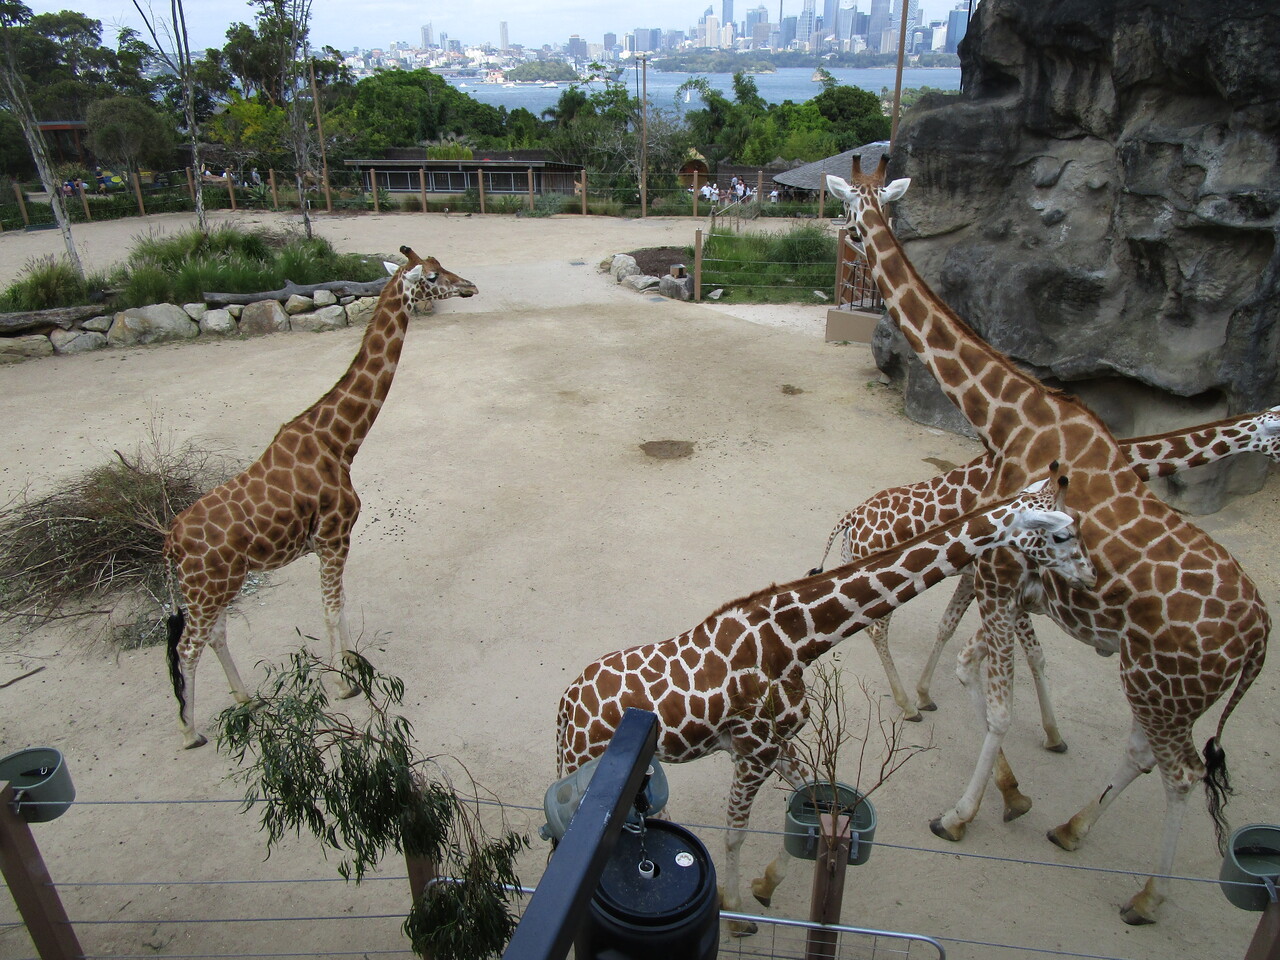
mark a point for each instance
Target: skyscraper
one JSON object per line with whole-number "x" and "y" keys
{"x": 957, "y": 24}
{"x": 427, "y": 36}
{"x": 878, "y": 24}
{"x": 726, "y": 11}
{"x": 805, "y": 23}
{"x": 502, "y": 36}
{"x": 830, "y": 18}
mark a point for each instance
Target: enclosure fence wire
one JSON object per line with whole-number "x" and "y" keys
{"x": 778, "y": 938}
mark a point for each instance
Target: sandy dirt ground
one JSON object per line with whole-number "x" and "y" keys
{"x": 513, "y": 531}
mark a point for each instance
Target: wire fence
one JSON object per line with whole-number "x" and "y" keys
{"x": 195, "y": 911}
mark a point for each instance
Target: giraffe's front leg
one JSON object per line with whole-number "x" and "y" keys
{"x": 988, "y": 681}
{"x": 951, "y": 617}
{"x": 1036, "y": 663}
{"x": 332, "y": 565}
{"x": 878, "y": 631}
{"x": 749, "y": 774}
{"x": 762, "y": 888}
{"x": 218, "y": 642}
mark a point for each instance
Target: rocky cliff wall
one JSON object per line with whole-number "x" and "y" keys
{"x": 1102, "y": 202}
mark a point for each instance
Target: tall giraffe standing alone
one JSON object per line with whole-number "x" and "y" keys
{"x": 893, "y": 515}
{"x": 1187, "y": 622}
{"x": 735, "y": 682}
{"x": 296, "y": 498}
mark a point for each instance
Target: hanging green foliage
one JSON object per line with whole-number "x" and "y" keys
{"x": 360, "y": 786}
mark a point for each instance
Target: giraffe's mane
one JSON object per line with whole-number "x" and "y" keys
{"x": 369, "y": 331}
{"x": 844, "y": 571}
{"x": 980, "y": 342}
{"x": 1198, "y": 428}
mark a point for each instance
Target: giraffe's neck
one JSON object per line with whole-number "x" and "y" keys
{"x": 1167, "y": 453}
{"x": 808, "y": 617}
{"x": 1018, "y": 418}
{"x": 346, "y": 413}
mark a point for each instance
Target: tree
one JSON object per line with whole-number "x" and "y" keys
{"x": 127, "y": 131}
{"x": 13, "y": 96}
{"x": 176, "y": 55}
{"x": 856, "y": 115}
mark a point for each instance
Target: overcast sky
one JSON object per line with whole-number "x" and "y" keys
{"x": 378, "y": 23}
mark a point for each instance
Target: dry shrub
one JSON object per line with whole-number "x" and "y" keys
{"x": 94, "y": 548}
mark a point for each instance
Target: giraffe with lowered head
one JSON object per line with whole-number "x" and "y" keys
{"x": 897, "y": 513}
{"x": 736, "y": 683}
{"x": 1187, "y": 621}
{"x": 296, "y": 498}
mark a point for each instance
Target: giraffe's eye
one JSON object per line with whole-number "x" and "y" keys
{"x": 1061, "y": 537}
{"x": 432, "y": 276}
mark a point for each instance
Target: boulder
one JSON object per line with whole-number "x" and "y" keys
{"x": 622, "y": 266}
{"x": 156, "y": 323}
{"x": 76, "y": 341}
{"x": 97, "y": 324}
{"x": 26, "y": 347}
{"x": 324, "y": 298}
{"x": 298, "y": 304}
{"x": 218, "y": 323}
{"x": 640, "y": 282}
{"x": 265, "y": 316}
{"x": 677, "y": 288}
{"x": 1101, "y": 203}
{"x": 235, "y": 309}
{"x": 360, "y": 310}
{"x": 195, "y": 310}
{"x": 328, "y": 318}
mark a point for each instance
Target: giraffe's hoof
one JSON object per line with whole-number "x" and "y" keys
{"x": 913, "y": 718}
{"x": 198, "y": 741}
{"x": 347, "y": 690}
{"x": 1059, "y": 747}
{"x": 940, "y": 830}
{"x": 1059, "y": 836}
{"x": 1134, "y": 916}
{"x": 742, "y": 928}
{"x": 1014, "y": 807}
{"x": 926, "y": 704}
{"x": 763, "y": 895}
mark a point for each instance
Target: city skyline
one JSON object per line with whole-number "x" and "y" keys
{"x": 383, "y": 22}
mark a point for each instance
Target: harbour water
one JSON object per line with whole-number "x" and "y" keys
{"x": 788, "y": 83}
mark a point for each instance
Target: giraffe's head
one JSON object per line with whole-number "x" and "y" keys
{"x": 1047, "y": 532}
{"x": 424, "y": 279}
{"x": 865, "y": 191}
{"x": 1265, "y": 430}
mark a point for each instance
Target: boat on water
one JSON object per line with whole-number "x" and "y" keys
{"x": 551, "y": 85}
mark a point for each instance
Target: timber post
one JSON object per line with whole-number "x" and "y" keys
{"x": 137, "y": 192}
{"x": 32, "y": 888}
{"x": 697, "y": 266}
{"x": 275, "y": 198}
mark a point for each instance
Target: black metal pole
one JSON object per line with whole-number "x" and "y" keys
{"x": 555, "y": 910}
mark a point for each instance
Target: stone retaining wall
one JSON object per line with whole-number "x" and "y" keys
{"x": 161, "y": 322}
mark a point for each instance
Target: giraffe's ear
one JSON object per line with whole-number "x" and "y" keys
{"x": 413, "y": 274}
{"x": 391, "y": 267}
{"x": 839, "y": 188}
{"x": 1045, "y": 521}
{"x": 894, "y": 191}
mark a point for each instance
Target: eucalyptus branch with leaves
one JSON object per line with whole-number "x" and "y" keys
{"x": 360, "y": 786}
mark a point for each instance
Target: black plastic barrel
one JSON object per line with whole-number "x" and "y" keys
{"x": 670, "y": 910}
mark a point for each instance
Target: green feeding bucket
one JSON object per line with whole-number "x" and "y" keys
{"x": 810, "y": 801}
{"x": 41, "y": 782}
{"x": 1253, "y": 858}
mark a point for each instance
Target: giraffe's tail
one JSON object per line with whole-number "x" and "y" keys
{"x": 840, "y": 528}
{"x": 1217, "y": 782}
{"x": 177, "y": 622}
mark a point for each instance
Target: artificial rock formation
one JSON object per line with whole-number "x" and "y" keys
{"x": 1102, "y": 203}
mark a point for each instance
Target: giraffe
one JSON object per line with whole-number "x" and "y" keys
{"x": 901, "y": 512}
{"x": 296, "y": 498}
{"x": 735, "y": 682}
{"x": 1186, "y": 620}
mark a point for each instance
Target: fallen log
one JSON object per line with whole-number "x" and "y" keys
{"x": 29, "y": 320}
{"x": 341, "y": 288}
